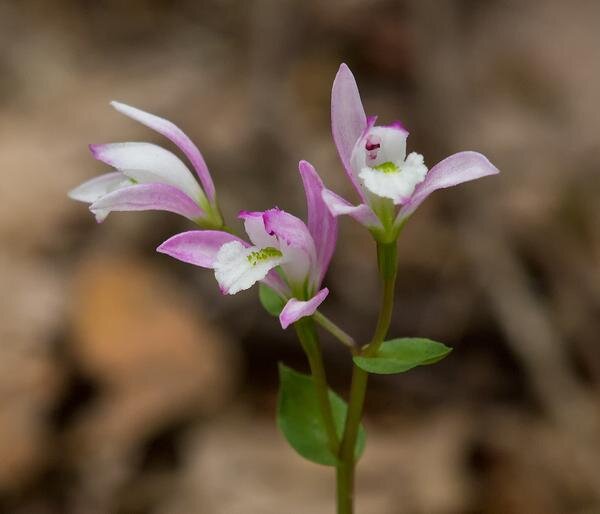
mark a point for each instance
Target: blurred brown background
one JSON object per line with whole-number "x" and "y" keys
{"x": 129, "y": 385}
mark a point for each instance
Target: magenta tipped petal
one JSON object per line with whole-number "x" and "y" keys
{"x": 398, "y": 125}
{"x": 177, "y": 136}
{"x": 198, "y": 247}
{"x": 147, "y": 197}
{"x": 296, "y": 309}
{"x": 456, "y": 169}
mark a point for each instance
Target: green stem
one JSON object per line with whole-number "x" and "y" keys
{"x": 387, "y": 263}
{"x": 335, "y": 331}
{"x": 387, "y": 260}
{"x": 305, "y": 328}
{"x": 347, "y": 461}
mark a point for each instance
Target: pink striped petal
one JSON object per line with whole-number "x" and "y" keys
{"x": 296, "y": 309}
{"x": 348, "y": 119}
{"x": 322, "y": 225}
{"x": 456, "y": 169}
{"x": 147, "y": 197}
{"x": 362, "y": 213}
{"x": 198, "y": 247}
{"x": 177, "y": 136}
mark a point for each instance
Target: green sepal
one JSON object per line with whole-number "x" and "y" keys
{"x": 399, "y": 355}
{"x": 270, "y": 300}
{"x": 300, "y": 421}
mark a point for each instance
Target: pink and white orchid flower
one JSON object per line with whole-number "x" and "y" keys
{"x": 284, "y": 253}
{"x": 390, "y": 184}
{"x": 148, "y": 177}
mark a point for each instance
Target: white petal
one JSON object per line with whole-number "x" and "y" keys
{"x": 101, "y": 214}
{"x": 398, "y": 186}
{"x": 147, "y": 162}
{"x": 392, "y": 143}
{"x": 235, "y": 270}
{"x": 97, "y": 187}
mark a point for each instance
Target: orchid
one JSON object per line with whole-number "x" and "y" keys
{"x": 390, "y": 184}
{"x": 148, "y": 177}
{"x": 289, "y": 258}
{"x": 284, "y": 253}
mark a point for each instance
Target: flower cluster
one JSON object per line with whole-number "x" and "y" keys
{"x": 289, "y": 256}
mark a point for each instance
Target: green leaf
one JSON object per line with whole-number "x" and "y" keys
{"x": 399, "y": 355}
{"x": 300, "y": 420}
{"x": 270, "y": 300}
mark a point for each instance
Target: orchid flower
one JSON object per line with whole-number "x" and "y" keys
{"x": 284, "y": 253}
{"x": 148, "y": 177}
{"x": 390, "y": 184}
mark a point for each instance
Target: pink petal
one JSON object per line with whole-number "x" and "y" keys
{"x": 289, "y": 230}
{"x": 362, "y": 213}
{"x": 456, "y": 169}
{"x": 198, "y": 247}
{"x": 147, "y": 197}
{"x": 296, "y": 309}
{"x": 294, "y": 241}
{"x": 177, "y": 136}
{"x": 348, "y": 119}
{"x": 321, "y": 223}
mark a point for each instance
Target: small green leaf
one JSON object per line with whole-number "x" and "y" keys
{"x": 300, "y": 421}
{"x": 270, "y": 300}
{"x": 400, "y": 355}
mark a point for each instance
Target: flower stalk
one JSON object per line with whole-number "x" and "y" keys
{"x": 305, "y": 330}
{"x": 387, "y": 258}
{"x": 336, "y": 331}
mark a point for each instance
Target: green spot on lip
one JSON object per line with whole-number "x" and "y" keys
{"x": 263, "y": 254}
{"x": 386, "y": 167}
